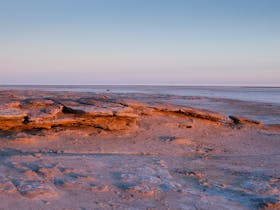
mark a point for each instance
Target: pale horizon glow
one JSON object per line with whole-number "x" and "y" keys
{"x": 157, "y": 42}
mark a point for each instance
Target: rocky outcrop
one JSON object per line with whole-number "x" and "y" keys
{"x": 192, "y": 112}
{"x": 48, "y": 114}
{"x": 96, "y": 112}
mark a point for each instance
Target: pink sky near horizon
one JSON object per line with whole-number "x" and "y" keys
{"x": 145, "y": 42}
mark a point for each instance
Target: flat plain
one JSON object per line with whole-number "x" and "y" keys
{"x": 69, "y": 150}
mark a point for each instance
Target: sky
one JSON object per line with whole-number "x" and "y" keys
{"x": 140, "y": 42}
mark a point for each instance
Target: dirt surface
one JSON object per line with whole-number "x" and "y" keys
{"x": 63, "y": 150}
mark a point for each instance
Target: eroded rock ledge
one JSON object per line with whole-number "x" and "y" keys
{"x": 98, "y": 111}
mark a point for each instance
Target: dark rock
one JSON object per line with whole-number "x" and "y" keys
{"x": 68, "y": 110}
{"x": 241, "y": 120}
{"x": 26, "y": 120}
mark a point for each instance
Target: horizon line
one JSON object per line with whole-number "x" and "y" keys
{"x": 151, "y": 84}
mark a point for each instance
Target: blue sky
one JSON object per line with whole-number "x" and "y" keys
{"x": 140, "y": 42}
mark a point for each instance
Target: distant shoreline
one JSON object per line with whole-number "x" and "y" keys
{"x": 263, "y": 94}
{"x": 143, "y": 85}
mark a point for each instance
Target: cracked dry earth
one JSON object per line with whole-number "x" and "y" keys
{"x": 106, "y": 151}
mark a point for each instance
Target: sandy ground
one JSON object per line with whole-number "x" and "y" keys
{"x": 108, "y": 151}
